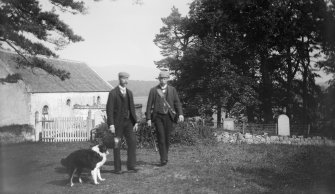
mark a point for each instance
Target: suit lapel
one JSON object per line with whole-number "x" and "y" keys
{"x": 119, "y": 91}
{"x": 168, "y": 92}
{"x": 128, "y": 93}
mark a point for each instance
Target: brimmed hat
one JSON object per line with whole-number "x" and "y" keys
{"x": 123, "y": 75}
{"x": 164, "y": 74}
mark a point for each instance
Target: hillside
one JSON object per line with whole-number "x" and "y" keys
{"x": 139, "y": 88}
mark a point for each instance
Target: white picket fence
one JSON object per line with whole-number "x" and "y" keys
{"x": 66, "y": 129}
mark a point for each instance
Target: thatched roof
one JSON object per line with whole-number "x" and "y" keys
{"x": 82, "y": 78}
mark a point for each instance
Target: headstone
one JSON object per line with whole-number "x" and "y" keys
{"x": 283, "y": 125}
{"x": 228, "y": 124}
{"x": 214, "y": 117}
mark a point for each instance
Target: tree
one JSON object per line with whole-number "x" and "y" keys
{"x": 200, "y": 58}
{"x": 174, "y": 38}
{"x": 267, "y": 46}
{"x": 27, "y": 29}
{"x": 281, "y": 36}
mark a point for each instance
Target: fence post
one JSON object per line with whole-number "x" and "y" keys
{"x": 89, "y": 123}
{"x": 38, "y": 126}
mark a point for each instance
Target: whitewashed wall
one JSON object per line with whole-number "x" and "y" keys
{"x": 58, "y": 107}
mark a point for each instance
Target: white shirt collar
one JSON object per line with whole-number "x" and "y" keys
{"x": 164, "y": 87}
{"x": 123, "y": 89}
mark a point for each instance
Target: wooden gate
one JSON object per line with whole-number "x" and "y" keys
{"x": 66, "y": 129}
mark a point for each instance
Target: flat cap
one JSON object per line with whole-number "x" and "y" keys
{"x": 164, "y": 74}
{"x": 123, "y": 74}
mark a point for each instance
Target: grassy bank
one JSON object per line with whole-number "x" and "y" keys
{"x": 223, "y": 168}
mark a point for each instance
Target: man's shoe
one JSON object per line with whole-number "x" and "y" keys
{"x": 133, "y": 170}
{"x": 117, "y": 172}
{"x": 163, "y": 163}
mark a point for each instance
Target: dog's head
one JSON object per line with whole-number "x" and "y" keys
{"x": 100, "y": 148}
{"x": 103, "y": 148}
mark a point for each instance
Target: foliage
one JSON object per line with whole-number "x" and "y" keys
{"x": 254, "y": 54}
{"x": 11, "y": 78}
{"x": 184, "y": 134}
{"x": 30, "y": 30}
{"x": 17, "y": 129}
{"x": 191, "y": 134}
{"x": 16, "y": 133}
{"x": 327, "y": 111}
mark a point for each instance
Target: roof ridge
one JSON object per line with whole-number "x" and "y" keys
{"x": 99, "y": 76}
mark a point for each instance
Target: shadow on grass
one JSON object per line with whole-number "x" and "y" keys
{"x": 308, "y": 170}
{"x": 63, "y": 170}
{"x": 86, "y": 178}
{"x": 139, "y": 163}
{"x": 63, "y": 182}
{"x": 264, "y": 176}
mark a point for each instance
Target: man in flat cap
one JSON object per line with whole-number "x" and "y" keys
{"x": 122, "y": 121}
{"x": 162, "y": 108}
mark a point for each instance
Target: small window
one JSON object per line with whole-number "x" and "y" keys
{"x": 98, "y": 100}
{"x": 68, "y": 102}
{"x": 45, "y": 112}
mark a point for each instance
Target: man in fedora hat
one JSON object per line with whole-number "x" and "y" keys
{"x": 121, "y": 120}
{"x": 162, "y": 108}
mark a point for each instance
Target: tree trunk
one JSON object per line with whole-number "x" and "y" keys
{"x": 304, "y": 94}
{"x": 219, "y": 107}
{"x": 266, "y": 91}
{"x": 290, "y": 77}
{"x": 250, "y": 114}
{"x": 305, "y": 87}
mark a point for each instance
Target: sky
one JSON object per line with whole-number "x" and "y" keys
{"x": 119, "y": 36}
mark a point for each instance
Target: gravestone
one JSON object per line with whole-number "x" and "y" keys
{"x": 283, "y": 125}
{"x": 228, "y": 123}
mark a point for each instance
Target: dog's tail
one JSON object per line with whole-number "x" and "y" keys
{"x": 64, "y": 162}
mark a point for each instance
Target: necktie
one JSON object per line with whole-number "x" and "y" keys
{"x": 123, "y": 91}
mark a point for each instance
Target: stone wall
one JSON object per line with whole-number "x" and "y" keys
{"x": 248, "y": 138}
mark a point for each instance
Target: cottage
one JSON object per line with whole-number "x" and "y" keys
{"x": 41, "y": 96}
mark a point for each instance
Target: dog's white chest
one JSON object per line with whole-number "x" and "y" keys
{"x": 102, "y": 162}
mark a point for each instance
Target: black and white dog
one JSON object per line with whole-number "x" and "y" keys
{"x": 91, "y": 159}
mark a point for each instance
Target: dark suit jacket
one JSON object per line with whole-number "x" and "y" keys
{"x": 113, "y": 108}
{"x": 172, "y": 98}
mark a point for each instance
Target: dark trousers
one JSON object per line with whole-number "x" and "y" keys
{"x": 164, "y": 126}
{"x": 126, "y": 130}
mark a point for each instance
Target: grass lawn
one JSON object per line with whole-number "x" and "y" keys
{"x": 223, "y": 168}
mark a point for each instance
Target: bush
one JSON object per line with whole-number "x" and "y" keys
{"x": 190, "y": 134}
{"x": 16, "y": 134}
{"x": 185, "y": 133}
{"x": 144, "y": 135}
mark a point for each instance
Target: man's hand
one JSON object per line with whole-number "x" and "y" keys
{"x": 135, "y": 127}
{"x": 112, "y": 128}
{"x": 149, "y": 123}
{"x": 181, "y": 118}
